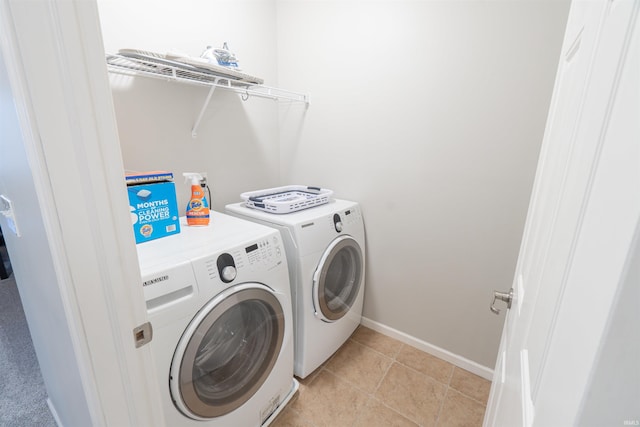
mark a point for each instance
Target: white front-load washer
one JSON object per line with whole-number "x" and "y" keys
{"x": 325, "y": 248}
{"x": 219, "y": 302}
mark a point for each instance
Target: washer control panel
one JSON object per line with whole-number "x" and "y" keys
{"x": 228, "y": 267}
{"x": 264, "y": 254}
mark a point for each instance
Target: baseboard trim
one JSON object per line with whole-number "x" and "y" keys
{"x": 443, "y": 354}
{"x": 54, "y": 412}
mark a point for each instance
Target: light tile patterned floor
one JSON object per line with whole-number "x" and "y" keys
{"x": 374, "y": 380}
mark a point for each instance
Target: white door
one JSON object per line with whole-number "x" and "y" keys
{"x": 73, "y": 222}
{"x": 584, "y": 211}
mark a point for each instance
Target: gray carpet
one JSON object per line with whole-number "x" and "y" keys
{"x": 22, "y": 393}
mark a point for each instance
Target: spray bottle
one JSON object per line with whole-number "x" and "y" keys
{"x": 197, "y": 208}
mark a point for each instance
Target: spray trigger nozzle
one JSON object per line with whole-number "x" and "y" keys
{"x": 195, "y": 178}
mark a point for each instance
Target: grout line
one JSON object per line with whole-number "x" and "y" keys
{"x": 372, "y": 395}
{"x": 469, "y": 397}
{"x": 422, "y": 373}
{"x": 383, "y": 403}
{"x": 386, "y": 372}
{"x": 463, "y": 393}
{"x": 451, "y": 375}
{"x": 352, "y": 384}
{"x": 447, "y": 385}
{"x": 377, "y": 386}
{"x": 362, "y": 411}
{"x": 376, "y": 351}
{"x": 402, "y": 346}
{"x": 428, "y": 377}
{"x": 444, "y": 399}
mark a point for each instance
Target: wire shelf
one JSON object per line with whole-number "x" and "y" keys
{"x": 171, "y": 71}
{"x": 193, "y": 75}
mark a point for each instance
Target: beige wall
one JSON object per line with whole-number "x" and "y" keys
{"x": 429, "y": 113}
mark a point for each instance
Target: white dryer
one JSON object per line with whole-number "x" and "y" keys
{"x": 326, "y": 254}
{"x": 218, "y": 298}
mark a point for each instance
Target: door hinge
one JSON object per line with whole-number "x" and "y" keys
{"x": 142, "y": 334}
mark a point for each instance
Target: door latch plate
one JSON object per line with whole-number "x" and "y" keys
{"x": 142, "y": 334}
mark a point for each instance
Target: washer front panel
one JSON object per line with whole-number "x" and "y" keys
{"x": 338, "y": 279}
{"x": 227, "y": 351}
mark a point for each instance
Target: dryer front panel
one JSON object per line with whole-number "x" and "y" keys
{"x": 227, "y": 351}
{"x": 337, "y": 279}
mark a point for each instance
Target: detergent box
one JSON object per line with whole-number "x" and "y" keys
{"x": 154, "y": 210}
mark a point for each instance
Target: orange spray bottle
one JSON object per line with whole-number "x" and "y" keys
{"x": 198, "y": 207}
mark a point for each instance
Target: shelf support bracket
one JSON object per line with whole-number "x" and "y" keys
{"x": 194, "y": 130}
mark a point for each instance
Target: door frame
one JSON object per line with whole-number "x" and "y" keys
{"x": 55, "y": 62}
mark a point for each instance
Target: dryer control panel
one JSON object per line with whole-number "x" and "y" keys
{"x": 341, "y": 221}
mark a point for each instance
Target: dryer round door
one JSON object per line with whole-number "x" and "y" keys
{"x": 337, "y": 279}
{"x": 227, "y": 351}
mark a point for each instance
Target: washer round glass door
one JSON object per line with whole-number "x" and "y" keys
{"x": 338, "y": 279}
{"x": 227, "y": 351}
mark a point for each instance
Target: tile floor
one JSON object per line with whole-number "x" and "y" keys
{"x": 374, "y": 380}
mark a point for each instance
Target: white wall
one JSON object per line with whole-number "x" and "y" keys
{"x": 237, "y": 142}
{"x": 431, "y": 114}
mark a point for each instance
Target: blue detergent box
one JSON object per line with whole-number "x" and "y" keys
{"x": 154, "y": 210}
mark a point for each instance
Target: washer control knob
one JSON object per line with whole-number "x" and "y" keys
{"x": 229, "y": 273}
{"x": 226, "y": 268}
{"x": 337, "y": 223}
